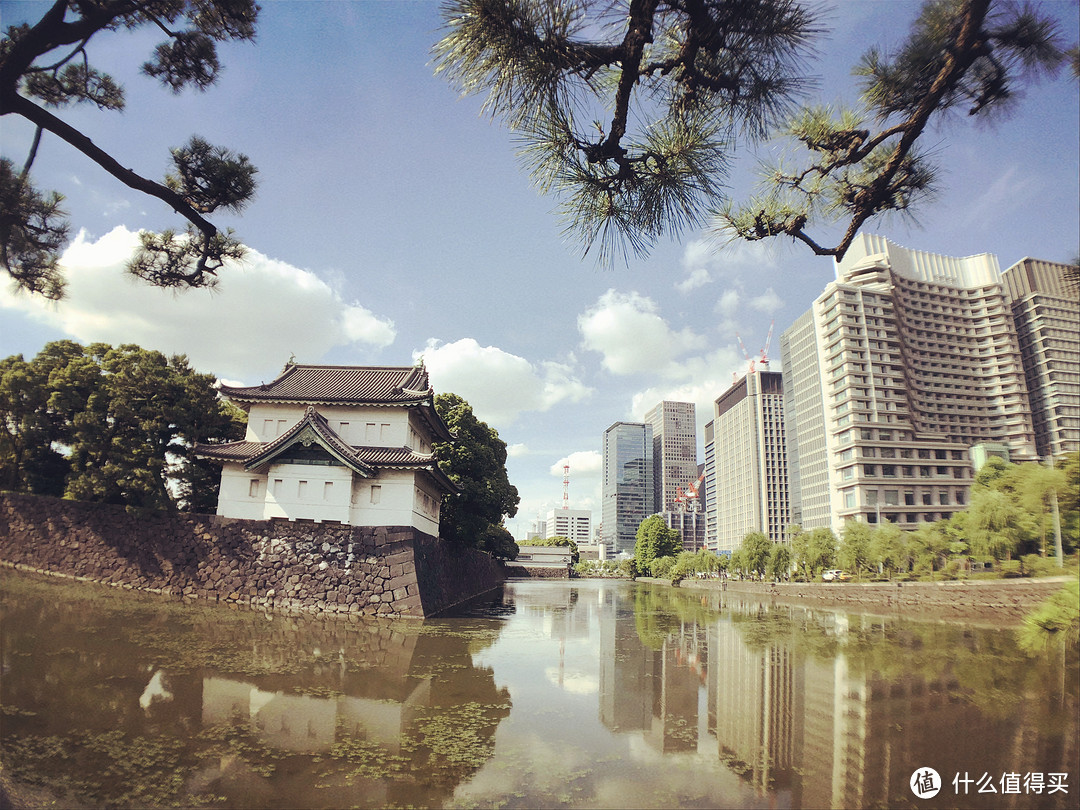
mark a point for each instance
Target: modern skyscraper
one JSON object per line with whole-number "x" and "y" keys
{"x": 750, "y": 474}
{"x": 627, "y": 488}
{"x": 902, "y": 364}
{"x": 708, "y": 487}
{"x": 1045, "y": 305}
{"x": 675, "y": 467}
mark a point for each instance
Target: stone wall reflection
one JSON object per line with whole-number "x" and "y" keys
{"x": 382, "y": 712}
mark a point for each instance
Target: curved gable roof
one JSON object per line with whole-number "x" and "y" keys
{"x": 312, "y": 429}
{"x": 346, "y": 385}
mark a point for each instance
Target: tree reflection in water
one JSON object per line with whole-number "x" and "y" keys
{"x": 126, "y": 701}
{"x": 624, "y": 695}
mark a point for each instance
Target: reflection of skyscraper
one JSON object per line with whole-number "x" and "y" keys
{"x": 625, "y": 673}
{"x": 755, "y": 705}
{"x": 627, "y": 491}
{"x": 649, "y": 688}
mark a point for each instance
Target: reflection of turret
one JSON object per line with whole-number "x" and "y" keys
{"x": 293, "y": 722}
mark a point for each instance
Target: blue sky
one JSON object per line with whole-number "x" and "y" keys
{"x": 392, "y": 220}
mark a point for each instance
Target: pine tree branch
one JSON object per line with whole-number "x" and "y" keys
{"x": 12, "y": 102}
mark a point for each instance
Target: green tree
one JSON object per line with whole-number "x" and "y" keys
{"x": 854, "y": 552}
{"x": 47, "y": 65}
{"x": 714, "y": 70}
{"x": 476, "y": 462}
{"x": 800, "y": 550}
{"x": 1069, "y": 503}
{"x": 1039, "y": 489}
{"x": 889, "y": 548}
{"x": 821, "y": 550}
{"x": 995, "y": 523}
{"x": 655, "y": 539}
{"x": 695, "y": 76}
{"x": 780, "y": 559}
{"x": 755, "y": 548}
{"x": 28, "y": 460}
{"x": 929, "y": 545}
{"x": 959, "y": 54}
{"x": 557, "y": 540}
{"x": 127, "y": 419}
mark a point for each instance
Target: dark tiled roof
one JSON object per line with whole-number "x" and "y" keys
{"x": 339, "y": 384}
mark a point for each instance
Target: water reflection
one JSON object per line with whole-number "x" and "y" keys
{"x": 593, "y": 694}
{"x": 130, "y": 702}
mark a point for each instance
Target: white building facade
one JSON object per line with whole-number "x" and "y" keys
{"x": 749, "y": 475}
{"x": 674, "y": 433}
{"x": 573, "y": 523}
{"x": 336, "y": 444}
{"x": 1045, "y": 302}
{"x": 902, "y": 364}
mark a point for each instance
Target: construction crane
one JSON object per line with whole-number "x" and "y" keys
{"x": 692, "y": 493}
{"x": 763, "y": 361}
{"x": 749, "y": 360}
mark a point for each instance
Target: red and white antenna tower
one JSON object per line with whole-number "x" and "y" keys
{"x": 566, "y": 486}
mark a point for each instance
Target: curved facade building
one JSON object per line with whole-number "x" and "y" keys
{"x": 910, "y": 358}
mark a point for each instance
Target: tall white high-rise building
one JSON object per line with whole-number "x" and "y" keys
{"x": 1045, "y": 302}
{"x": 627, "y": 488}
{"x": 675, "y": 467}
{"x": 902, "y": 364}
{"x": 573, "y": 523}
{"x": 749, "y": 462}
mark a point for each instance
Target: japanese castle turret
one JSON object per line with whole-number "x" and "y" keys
{"x": 336, "y": 444}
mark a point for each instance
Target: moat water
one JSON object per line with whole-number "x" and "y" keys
{"x": 547, "y": 694}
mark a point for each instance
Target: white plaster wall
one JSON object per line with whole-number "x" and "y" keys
{"x": 301, "y": 492}
{"x": 234, "y": 493}
{"x": 267, "y": 422}
{"x": 391, "y": 505}
{"x": 374, "y": 427}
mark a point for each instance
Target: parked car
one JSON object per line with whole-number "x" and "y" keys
{"x": 835, "y": 575}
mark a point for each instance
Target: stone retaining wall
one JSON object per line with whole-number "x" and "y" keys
{"x": 1012, "y": 598}
{"x": 349, "y": 570}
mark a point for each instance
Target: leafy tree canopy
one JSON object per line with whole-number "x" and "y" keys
{"x": 476, "y": 462}
{"x": 655, "y": 540}
{"x": 47, "y": 67}
{"x": 630, "y": 111}
{"x": 756, "y": 548}
{"x": 115, "y": 425}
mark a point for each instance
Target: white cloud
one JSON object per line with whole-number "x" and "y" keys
{"x": 704, "y": 378}
{"x": 709, "y": 258}
{"x": 585, "y": 463}
{"x": 727, "y": 306}
{"x": 698, "y": 277}
{"x": 518, "y": 450}
{"x": 768, "y": 302}
{"x": 498, "y": 385}
{"x": 627, "y": 331}
{"x": 262, "y": 312}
